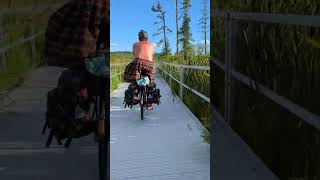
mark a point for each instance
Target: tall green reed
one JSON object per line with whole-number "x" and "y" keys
{"x": 196, "y": 79}
{"x": 285, "y": 59}
{"x": 17, "y": 27}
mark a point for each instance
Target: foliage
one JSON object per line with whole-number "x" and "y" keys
{"x": 16, "y": 27}
{"x": 163, "y": 29}
{"x": 196, "y": 79}
{"x": 286, "y": 60}
{"x": 177, "y": 27}
{"x": 185, "y": 31}
{"x": 204, "y": 22}
{"x": 122, "y": 58}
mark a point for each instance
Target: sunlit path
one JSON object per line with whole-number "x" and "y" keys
{"x": 166, "y": 145}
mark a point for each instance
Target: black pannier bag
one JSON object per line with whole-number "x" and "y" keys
{"x": 132, "y": 93}
{"x": 154, "y": 94}
{"x": 69, "y": 109}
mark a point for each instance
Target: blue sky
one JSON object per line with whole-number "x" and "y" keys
{"x": 129, "y": 16}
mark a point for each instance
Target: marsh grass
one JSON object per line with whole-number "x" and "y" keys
{"x": 16, "y": 27}
{"x": 115, "y": 81}
{"x": 118, "y": 58}
{"x": 286, "y": 60}
{"x": 196, "y": 79}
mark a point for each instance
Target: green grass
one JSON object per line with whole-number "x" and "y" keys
{"x": 117, "y": 79}
{"x": 16, "y": 27}
{"x": 286, "y": 60}
{"x": 118, "y": 58}
{"x": 196, "y": 79}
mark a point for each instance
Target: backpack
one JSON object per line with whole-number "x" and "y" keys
{"x": 69, "y": 109}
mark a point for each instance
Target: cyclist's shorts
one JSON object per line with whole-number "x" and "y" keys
{"x": 133, "y": 69}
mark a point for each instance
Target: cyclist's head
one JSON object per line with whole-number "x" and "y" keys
{"x": 143, "y": 35}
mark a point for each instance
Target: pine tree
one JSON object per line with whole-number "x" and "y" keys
{"x": 204, "y": 22}
{"x": 185, "y": 31}
{"x": 163, "y": 29}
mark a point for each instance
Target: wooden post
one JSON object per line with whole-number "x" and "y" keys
{"x": 181, "y": 70}
{"x": 32, "y": 41}
{"x": 230, "y": 58}
{"x": 3, "y": 60}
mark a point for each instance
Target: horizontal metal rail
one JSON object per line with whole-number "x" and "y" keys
{"x": 19, "y": 42}
{"x": 289, "y": 19}
{"x": 115, "y": 75}
{"x": 308, "y": 117}
{"x": 187, "y": 87}
{"x": 117, "y": 65}
{"x": 13, "y": 11}
{"x": 187, "y": 66}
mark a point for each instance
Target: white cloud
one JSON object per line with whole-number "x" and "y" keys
{"x": 113, "y": 44}
{"x": 202, "y": 42}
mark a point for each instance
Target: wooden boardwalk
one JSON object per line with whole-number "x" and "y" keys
{"x": 166, "y": 145}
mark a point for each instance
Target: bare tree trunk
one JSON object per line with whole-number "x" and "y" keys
{"x": 164, "y": 35}
{"x": 177, "y": 27}
{"x": 205, "y": 25}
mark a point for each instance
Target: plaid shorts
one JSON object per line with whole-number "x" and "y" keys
{"x": 73, "y": 30}
{"x": 133, "y": 70}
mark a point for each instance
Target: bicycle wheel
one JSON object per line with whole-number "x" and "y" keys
{"x": 141, "y": 108}
{"x": 142, "y": 104}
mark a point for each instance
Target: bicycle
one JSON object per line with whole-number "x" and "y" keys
{"x": 143, "y": 93}
{"x": 63, "y": 101}
{"x": 102, "y": 116}
{"x": 143, "y": 100}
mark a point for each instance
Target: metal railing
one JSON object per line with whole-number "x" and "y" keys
{"x": 116, "y": 65}
{"x": 180, "y": 81}
{"x": 231, "y": 30}
{"x": 32, "y": 36}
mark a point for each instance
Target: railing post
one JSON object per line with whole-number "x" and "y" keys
{"x": 230, "y": 57}
{"x": 181, "y": 72}
{"x": 32, "y": 41}
{"x": 170, "y": 82}
{"x": 3, "y": 60}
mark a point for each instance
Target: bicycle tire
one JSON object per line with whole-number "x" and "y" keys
{"x": 142, "y": 105}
